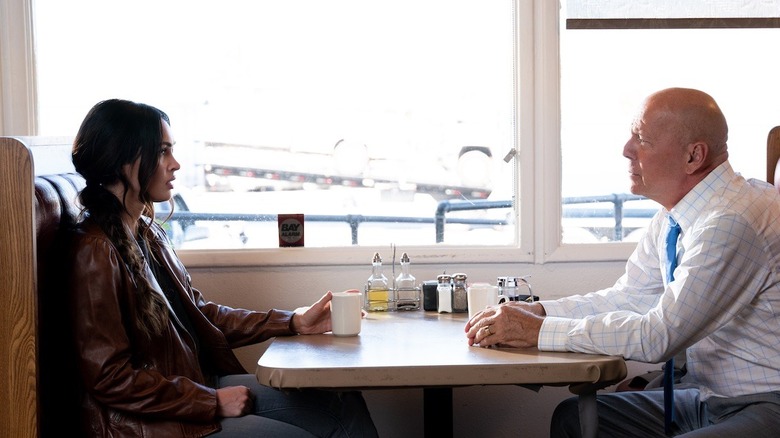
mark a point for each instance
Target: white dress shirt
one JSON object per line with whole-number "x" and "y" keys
{"x": 724, "y": 302}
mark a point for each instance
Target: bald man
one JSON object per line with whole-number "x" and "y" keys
{"x": 720, "y": 306}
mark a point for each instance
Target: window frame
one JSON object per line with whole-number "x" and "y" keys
{"x": 538, "y": 190}
{"x": 17, "y": 78}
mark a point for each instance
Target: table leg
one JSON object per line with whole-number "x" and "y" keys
{"x": 437, "y": 412}
{"x": 589, "y": 416}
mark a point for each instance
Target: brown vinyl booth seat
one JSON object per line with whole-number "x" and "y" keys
{"x": 56, "y": 210}
{"x": 39, "y": 394}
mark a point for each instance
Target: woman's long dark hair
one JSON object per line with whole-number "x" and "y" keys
{"x": 113, "y": 134}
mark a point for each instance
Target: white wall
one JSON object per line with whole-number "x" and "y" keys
{"x": 487, "y": 411}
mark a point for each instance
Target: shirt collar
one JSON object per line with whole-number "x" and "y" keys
{"x": 686, "y": 211}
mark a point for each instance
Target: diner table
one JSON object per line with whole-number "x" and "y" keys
{"x": 429, "y": 350}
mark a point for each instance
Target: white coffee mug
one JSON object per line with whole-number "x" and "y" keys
{"x": 346, "y": 313}
{"x": 482, "y": 295}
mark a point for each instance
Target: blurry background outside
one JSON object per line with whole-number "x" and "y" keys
{"x": 375, "y": 119}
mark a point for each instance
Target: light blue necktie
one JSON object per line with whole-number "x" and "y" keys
{"x": 671, "y": 263}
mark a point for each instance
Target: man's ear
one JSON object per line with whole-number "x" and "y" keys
{"x": 697, "y": 156}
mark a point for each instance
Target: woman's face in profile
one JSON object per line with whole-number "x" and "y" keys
{"x": 161, "y": 184}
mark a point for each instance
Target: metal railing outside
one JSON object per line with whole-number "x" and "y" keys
{"x": 618, "y": 201}
{"x": 440, "y": 218}
{"x": 447, "y": 206}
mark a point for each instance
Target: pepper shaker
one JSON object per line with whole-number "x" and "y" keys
{"x": 460, "y": 300}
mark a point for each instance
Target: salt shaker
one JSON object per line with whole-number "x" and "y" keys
{"x": 444, "y": 293}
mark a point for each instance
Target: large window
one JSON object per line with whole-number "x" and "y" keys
{"x": 405, "y": 113}
{"x": 384, "y": 122}
{"x": 614, "y": 53}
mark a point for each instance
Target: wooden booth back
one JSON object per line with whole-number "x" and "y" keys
{"x": 39, "y": 393}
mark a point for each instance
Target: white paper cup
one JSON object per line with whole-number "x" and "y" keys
{"x": 346, "y": 313}
{"x": 482, "y": 295}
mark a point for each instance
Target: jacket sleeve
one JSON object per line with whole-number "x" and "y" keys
{"x": 101, "y": 295}
{"x": 240, "y": 327}
{"x": 244, "y": 327}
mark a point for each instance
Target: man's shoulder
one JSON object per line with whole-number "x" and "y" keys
{"x": 758, "y": 194}
{"x": 744, "y": 204}
{"x": 763, "y": 187}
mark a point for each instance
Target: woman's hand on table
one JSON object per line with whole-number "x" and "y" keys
{"x": 315, "y": 319}
{"x": 513, "y": 324}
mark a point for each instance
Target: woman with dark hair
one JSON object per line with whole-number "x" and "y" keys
{"x": 155, "y": 356}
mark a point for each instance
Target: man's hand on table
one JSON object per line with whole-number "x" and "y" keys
{"x": 513, "y": 324}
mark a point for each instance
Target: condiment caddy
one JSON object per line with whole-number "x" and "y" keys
{"x": 447, "y": 294}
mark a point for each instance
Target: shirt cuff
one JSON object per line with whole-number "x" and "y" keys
{"x": 554, "y": 333}
{"x": 552, "y": 307}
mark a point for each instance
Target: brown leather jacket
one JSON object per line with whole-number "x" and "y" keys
{"x": 152, "y": 388}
